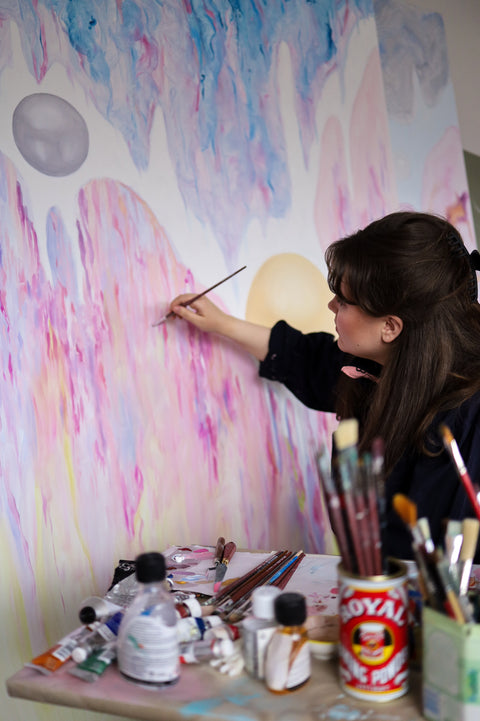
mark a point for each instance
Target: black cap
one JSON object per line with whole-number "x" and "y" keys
{"x": 87, "y": 614}
{"x": 290, "y": 609}
{"x": 150, "y": 567}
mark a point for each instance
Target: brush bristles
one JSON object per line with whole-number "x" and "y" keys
{"x": 446, "y": 434}
{"x": 406, "y": 509}
{"x": 424, "y": 526}
{"x": 346, "y": 435}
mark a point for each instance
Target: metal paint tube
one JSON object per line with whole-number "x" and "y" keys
{"x": 374, "y": 651}
{"x": 92, "y": 668}
{"x": 59, "y": 654}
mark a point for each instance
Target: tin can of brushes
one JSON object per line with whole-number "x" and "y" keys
{"x": 373, "y": 650}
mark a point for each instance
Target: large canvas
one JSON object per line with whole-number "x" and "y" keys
{"x": 149, "y": 148}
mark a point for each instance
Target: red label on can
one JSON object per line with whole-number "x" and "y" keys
{"x": 374, "y": 639}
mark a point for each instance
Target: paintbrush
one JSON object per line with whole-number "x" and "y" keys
{"x": 363, "y": 516}
{"x": 470, "y": 529}
{"x": 280, "y": 579}
{"x": 196, "y": 297}
{"x": 453, "y": 544}
{"x": 282, "y": 582}
{"x": 334, "y": 506}
{"x": 454, "y": 607}
{"x": 257, "y": 576}
{"x": 424, "y": 528}
{"x": 452, "y": 447}
{"x": 378, "y": 475}
{"x": 429, "y": 582}
{"x": 376, "y": 550}
{"x": 345, "y": 439}
{"x": 275, "y": 580}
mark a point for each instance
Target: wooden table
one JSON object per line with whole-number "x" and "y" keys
{"x": 204, "y": 693}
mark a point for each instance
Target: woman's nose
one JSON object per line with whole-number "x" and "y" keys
{"x": 332, "y": 305}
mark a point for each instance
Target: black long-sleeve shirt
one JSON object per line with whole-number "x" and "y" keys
{"x": 309, "y": 365}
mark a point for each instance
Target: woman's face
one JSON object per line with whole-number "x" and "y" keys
{"x": 358, "y": 333}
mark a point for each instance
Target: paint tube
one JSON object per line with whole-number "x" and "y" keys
{"x": 94, "y": 665}
{"x": 96, "y": 608}
{"x": 195, "y": 629}
{"x": 105, "y": 633}
{"x": 57, "y": 655}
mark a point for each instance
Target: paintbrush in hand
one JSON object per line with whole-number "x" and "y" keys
{"x": 196, "y": 297}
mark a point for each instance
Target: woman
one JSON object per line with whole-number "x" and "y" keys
{"x": 407, "y": 357}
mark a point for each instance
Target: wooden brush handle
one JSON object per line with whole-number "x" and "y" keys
{"x": 228, "y": 552}
{"x": 241, "y": 581}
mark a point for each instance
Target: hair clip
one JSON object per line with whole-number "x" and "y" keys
{"x": 458, "y": 249}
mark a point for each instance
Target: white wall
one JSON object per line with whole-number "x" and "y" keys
{"x": 462, "y": 27}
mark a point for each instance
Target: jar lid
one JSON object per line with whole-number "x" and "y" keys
{"x": 263, "y": 598}
{"x": 290, "y": 609}
{"x": 150, "y": 567}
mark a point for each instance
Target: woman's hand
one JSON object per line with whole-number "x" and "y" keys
{"x": 202, "y": 313}
{"x": 208, "y": 317}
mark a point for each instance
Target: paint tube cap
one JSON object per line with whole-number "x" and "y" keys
{"x": 87, "y": 615}
{"x": 150, "y": 567}
{"x": 79, "y": 654}
{"x": 263, "y": 599}
{"x": 290, "y": 609}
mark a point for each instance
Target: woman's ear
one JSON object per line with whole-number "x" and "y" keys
{"x": 392, "y": 328}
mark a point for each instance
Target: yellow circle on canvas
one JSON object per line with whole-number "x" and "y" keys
{"x": 289, "y": 287}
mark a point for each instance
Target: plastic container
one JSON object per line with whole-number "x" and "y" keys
{"x": 257, "y": 629}
{"x": 147, "y": 647}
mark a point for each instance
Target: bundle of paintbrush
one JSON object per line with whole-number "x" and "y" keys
{"x": 444, "y": 572}
{"x": 355, "y": 497}
{"x": 233, "y": 602}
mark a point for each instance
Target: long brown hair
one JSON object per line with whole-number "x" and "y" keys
{"x": 414, "y": 266}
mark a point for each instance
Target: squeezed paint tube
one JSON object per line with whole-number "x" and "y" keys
{"x": 106, "y": 632}
{"x": 96, "y": 608}
{"x": 92, "y": 668}
{"x": 57, "y": 655}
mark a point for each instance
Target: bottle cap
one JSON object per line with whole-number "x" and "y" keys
{"x": 79, "y": 654}
{"x": 263, "y": 599}
{"x": 87, "y": 615}
{"x": 150, "y": 567}
{"x": 290, "y": 609}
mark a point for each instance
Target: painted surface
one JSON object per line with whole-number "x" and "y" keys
{"x": 219, "y": 134}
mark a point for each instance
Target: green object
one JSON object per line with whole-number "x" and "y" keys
{"x": 451, "y": 668}
{"x": 92, "y": 668}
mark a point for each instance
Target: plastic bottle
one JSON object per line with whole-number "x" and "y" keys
{"x": 198, "y": 651}
{"x": 147, "y": 646}
{"x": 287, "y": 660}
{"x": 105, "y": 633}
{"x": 257, "y": 629}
